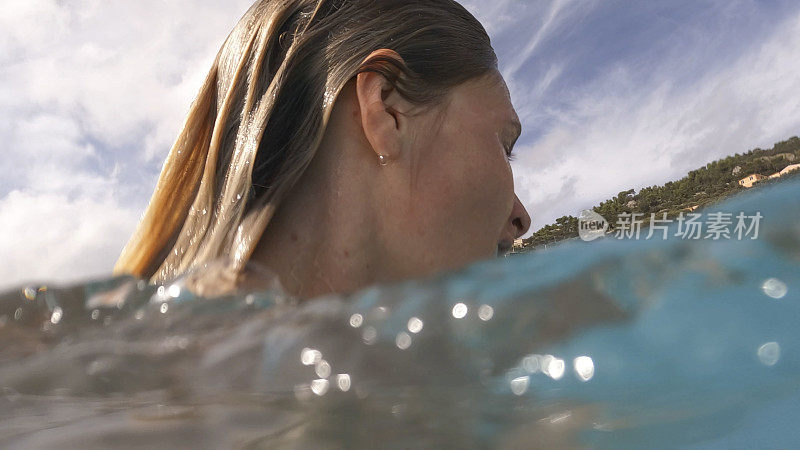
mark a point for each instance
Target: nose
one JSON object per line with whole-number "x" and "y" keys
{"x": 520, "y": 218}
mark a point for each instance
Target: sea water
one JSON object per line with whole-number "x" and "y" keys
{"x": 644, "y": 343}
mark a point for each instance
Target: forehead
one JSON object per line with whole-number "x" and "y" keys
{"x": 484, "y": 99}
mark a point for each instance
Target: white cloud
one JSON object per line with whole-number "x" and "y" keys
{"x": 92, "y": 94}
{"x": 119, "y": 68}
{"x": 54, "y": 238}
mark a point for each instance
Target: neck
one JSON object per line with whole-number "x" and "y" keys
{"x": 319, "y": 242}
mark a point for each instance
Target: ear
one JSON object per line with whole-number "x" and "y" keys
{"x": 380, "y": 106}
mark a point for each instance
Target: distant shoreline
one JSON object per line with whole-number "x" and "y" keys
{"x": 700, "y": 188}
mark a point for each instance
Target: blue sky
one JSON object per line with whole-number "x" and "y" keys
{"x": 612, "y": 95}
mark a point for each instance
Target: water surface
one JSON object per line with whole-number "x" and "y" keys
{"x": 649, "y": 343}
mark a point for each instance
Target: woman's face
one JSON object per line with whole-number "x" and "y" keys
{"x": 445, "y": 198}
{"x": 454, "y": 202}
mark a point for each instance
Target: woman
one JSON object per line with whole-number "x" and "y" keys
{"x": 337, "y": 144}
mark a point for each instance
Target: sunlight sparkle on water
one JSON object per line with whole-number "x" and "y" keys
{"x": 323, "y": 369}
{"x": 531, "y": 363}
{"x": 552, "y": 366}
{"x": 769, "y": 353}
{"x": 584, "y": 368}
{"x": 356, "y": 320}
{"x": 29, "y": 293}
{"x": 774, "y": 288}
{"x": 56, "y": 316}
{"x": 310, "y": 356}
{"x": 520, "y": 385}
{"x": 174, "y": 291}
{"x": 370, "y": 335}
{"x": 403, "y": 340}
{"x": 460, "y": 310}
{"x": 415, "y": 325}
{"x": 343, "y": 381}
{"x": 320, "y": 386}
{"x": 485, "y": 313}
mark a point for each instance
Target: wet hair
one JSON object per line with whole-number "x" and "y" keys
{"x": 263, "y": 109}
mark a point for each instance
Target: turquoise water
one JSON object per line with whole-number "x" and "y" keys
{"x": 613, "y": 343}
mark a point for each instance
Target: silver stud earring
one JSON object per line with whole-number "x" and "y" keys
{"x": 383, "y": 160}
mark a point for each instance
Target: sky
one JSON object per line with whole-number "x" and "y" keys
{"x": 612, "y": 95}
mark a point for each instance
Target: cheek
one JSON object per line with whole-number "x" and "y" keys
{"x": 490, "y": 197}
{"x": 471, "y": 193}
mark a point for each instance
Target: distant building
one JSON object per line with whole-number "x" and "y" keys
{"x": 736, "y": 170}
{"x": 749, "y": 180}
{"x": 789, "y": 168}
{"x": 775, "y": 175}
{"x": 691, "y": 208}
{"x": 518, "y": 244}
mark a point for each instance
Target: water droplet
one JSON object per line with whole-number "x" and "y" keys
{"x": 328, "y": 98}
{"x": 356, "y": 320}
{"x": 18, "y": 314}
{"x": 403, "y": 340}
{"x": 164, "y": 308}
{"x": 343, "y": 381}
{"x": 485, "y": 313}
{"x": 584, "y": 367}
{"x": 774, "y": 288}
{"x": 769, "y": 353}
{"x": 520, "y": 385}
{"x": 95, "y": 314}
{"x": 460, "y": 310}
{"x": 415, "y": 325}
{"x": 139, "y": 315}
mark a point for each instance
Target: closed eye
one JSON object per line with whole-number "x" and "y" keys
{"x": 513, "y": 132}
{"x": 510, "y": 153}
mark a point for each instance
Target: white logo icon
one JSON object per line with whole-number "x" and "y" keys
{"x": 591, "y": 225}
